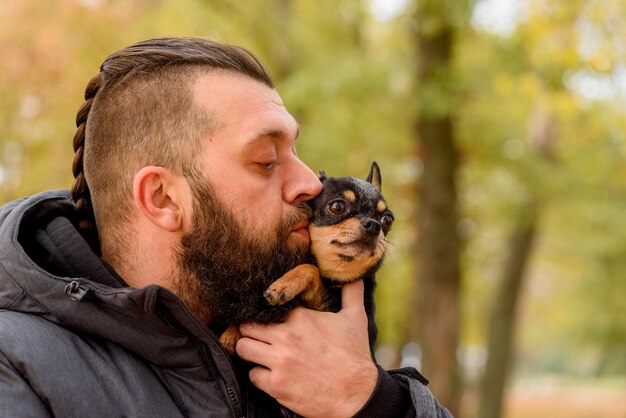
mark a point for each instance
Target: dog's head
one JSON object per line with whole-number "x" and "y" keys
{"x": 349, "y": 226}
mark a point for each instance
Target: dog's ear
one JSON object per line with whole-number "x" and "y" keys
{"x": 322, "y": 175}
{"x": 374, "y": 177}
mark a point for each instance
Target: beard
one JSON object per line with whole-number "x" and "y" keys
{"x": 225, "y": 266}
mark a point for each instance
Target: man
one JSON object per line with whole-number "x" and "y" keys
{"x": 189, "y": 197}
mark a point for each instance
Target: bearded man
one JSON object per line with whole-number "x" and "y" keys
{"x": 189, "y": 200}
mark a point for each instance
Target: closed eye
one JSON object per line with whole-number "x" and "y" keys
{"x": 267, "y": 167}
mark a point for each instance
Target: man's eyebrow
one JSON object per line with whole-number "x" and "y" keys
{"x": 274, "y": 134}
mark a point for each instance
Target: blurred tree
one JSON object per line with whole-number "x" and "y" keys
{"x": 439, "y": 275}
{"x": 503, "y": 315}
{"x": 527, "y": 86}
{"x": 50, "y": 51}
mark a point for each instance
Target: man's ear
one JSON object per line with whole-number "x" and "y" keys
{"x": 160, "y": 196}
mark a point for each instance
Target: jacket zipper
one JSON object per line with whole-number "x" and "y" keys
{"x": 236, "y": 408}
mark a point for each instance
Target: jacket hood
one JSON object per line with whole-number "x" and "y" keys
{"x": 48, "y": 269}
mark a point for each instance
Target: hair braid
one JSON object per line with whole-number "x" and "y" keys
{"x": 80, "y": 190}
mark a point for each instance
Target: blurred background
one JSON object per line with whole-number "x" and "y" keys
{"x": 500, "y": 129}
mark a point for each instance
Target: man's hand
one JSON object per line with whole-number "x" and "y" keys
{"x": 317, "y": 364}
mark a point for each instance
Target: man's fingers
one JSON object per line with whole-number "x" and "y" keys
{"x": 260, "y": 377}
{"x": 260, "y": 332}
{"x": 254, "y": 351}
{"x": 352, "y": 294}
{"x": 352, "y": 301}
{"x": 255, "y": 343}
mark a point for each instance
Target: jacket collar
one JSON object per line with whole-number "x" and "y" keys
{"x": 48, "y": 269}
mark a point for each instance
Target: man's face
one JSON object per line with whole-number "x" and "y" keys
{"x": 249, "y": 215}
{"x": 250, "y": 157}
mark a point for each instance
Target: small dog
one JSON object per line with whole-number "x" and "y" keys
{"x": 348, "y": 232}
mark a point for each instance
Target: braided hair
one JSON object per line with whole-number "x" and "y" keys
{"x": 80, "y": 190}
{"x": 139, "y": 111}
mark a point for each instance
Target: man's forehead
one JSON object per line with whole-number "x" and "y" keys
{"x": 274, "y": 134}
{"x": 247, "y": 108}
{"x": 220, "y": 86}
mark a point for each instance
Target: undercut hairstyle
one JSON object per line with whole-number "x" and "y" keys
{"x": 140, "y": 111}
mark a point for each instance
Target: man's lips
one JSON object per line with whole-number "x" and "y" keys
{"x": 302, "y": 228}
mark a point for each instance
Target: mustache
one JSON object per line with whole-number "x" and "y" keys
{"x": 302, "y": 212}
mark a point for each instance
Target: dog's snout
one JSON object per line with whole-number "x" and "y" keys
{"x": 371, "y": 226}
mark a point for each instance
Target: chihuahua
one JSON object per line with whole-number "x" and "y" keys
{"x": 348, "y": 232}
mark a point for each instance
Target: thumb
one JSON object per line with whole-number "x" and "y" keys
{"x": 352, "y": 301}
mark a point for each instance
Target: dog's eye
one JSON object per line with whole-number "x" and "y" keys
{"x": 386, "y": 221}
{"x": 337, "y": 207}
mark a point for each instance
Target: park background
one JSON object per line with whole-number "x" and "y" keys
{"x": 500, "y": 129}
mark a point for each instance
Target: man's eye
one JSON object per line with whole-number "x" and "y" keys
{"x": 268, "y": 166}
{"x": 337, "y": 207}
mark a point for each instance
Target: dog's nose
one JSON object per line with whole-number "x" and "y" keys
{"x": 371, "y": 226}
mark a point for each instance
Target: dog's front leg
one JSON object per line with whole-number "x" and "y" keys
{"x": 303, "y": 280}
{"x": 229, "y": 338}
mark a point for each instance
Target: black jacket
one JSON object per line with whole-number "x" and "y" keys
{"x": 75, "y": 341}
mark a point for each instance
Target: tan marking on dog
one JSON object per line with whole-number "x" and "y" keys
{"x": 229, "y": 338}
{"x": 303, "y": 280}
{"x": 349, "y": 194}
{"x": 348, "y": 234}
{"x": 381, "y": 207}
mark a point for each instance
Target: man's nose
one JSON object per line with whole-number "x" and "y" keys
{"x": 302, "y": 184}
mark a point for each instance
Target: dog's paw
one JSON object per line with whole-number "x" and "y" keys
{"x": 278, "y": 293}
{"x": 229, "y": 338}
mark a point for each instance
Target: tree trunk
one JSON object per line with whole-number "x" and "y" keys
{"x": 438, "y": 242}
{"x": 503, "y": 314}
{"x": 542, "y": 139}
{"x": 439, "y": 275}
